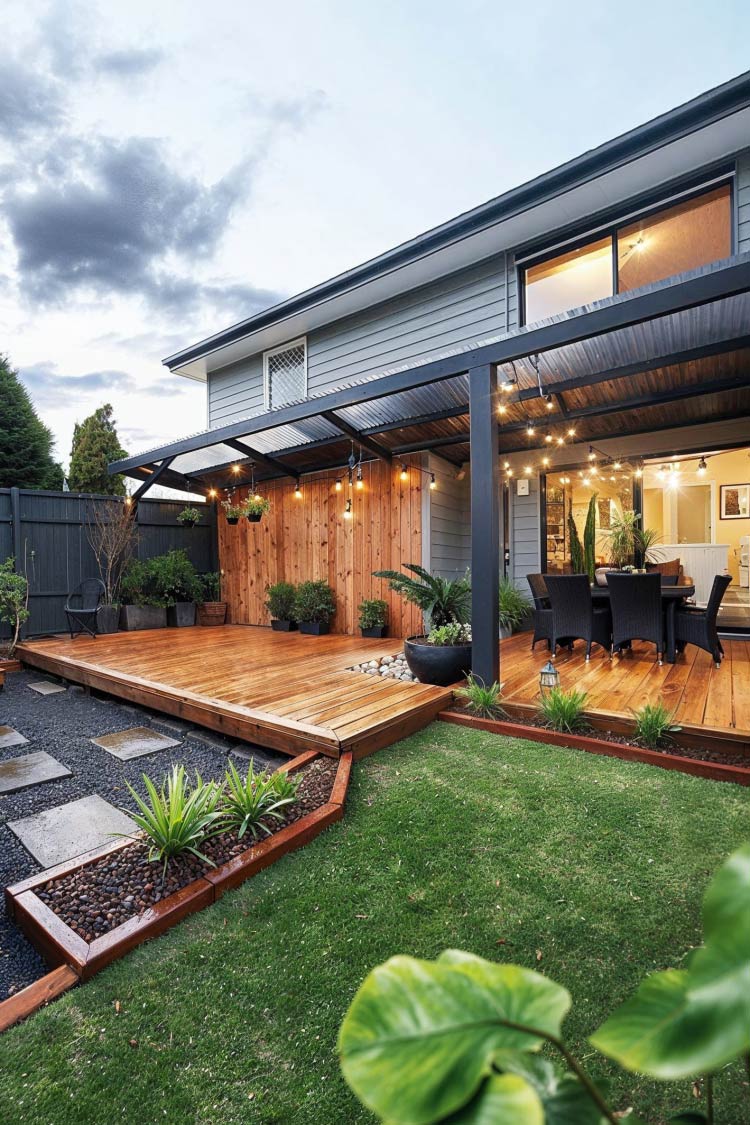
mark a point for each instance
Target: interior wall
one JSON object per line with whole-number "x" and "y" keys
{"x": 309, "y": 538}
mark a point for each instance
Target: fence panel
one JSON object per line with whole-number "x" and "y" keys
{"x": 53, "y": 548}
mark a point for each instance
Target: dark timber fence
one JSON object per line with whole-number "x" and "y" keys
{"x": 47, "y": 534}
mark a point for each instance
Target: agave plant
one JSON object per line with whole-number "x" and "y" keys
{"x": 442, "y": 600}
{"x": 251, "y": 800}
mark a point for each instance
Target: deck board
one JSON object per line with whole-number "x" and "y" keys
{"x": 284, "y": 691}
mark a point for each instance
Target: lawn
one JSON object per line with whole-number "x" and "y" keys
{"x": 586, "y": 868}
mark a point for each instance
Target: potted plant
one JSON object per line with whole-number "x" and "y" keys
{"x": 210, "y": 610}
{"x": 513, "y": 607}
{"x": 112, "y": 533}
{"x": 280, "y": 604}
{"x": 445, "y": 659}
{"x": 176, "y": 583}
{"x": 255, "y": 508}
{"x": 14, "y": 604}
{"x": 314, "y": 606}
{"x": 373, "y": 617}
{"x": 232, "y": 511}
{"x": 623, "y": 538}
{"x": 143, "y": 607}
{"x": 189, "y": 517}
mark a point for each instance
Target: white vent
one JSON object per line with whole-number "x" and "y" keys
{"x": 286, "y": 374}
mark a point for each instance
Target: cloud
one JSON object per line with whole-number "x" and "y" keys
{"x": 129, "y": 62}
{"x": 29, "y": 101}
{"x": 50, "y": 388}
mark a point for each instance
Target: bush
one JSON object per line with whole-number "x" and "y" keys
{"x": 137, "y": 586}
{"x": 373, "y": 613}
{"x": 247, "y": 804}
{"x": 280, "y": 601}
{"x": 654, "y": 725}
{"x": 174, "y": 578}
{"x": 178, "y": 817}
{"x": 441, "y": 600}
{"x": 513, "y": 605}
{"x": 314, "y": 601}
{"x": 210, "y": 586}
{"x": 452, "y": 634}
{"x": 14, "y": 596}
{"x": 563, "y": 710}
{"x": 483, "y": 700}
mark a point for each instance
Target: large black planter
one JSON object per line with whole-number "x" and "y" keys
{"x": 314, "y": 628}
{"x": 437, "y": 664}
{"x": 375, "y": 631}
{"x": 280, "y": 626}
{"x": 107, "y": 619}
{"x": 181, "y": 615}
{"x": 143, "y": 617}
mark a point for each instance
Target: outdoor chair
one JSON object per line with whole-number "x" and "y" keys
{"x": 637, "y": 614}
{"x": 82, "y": 604}
{"x": 698, "y": 626}
{"x": 542, "y": 614}
{"x": 574, "y": 616}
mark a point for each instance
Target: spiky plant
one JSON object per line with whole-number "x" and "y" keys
{"x": 483, "y": 700}
{"x": 654, "y": 725}
{"x": 248, "y": 802}
{"x": 513, "y": 604}
{"x": 563, "y": 710}
{"x": 442, "y": 600}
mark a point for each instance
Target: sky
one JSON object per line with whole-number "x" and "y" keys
{"x": 169, "y": 168}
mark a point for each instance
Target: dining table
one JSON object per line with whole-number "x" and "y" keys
{"x": 671, "y": 597}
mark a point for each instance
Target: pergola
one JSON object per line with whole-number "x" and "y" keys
{"x": 675, "y": 353}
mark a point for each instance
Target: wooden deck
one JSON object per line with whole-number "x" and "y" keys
{"x": 283, "y": 691}
{"x": 714, "y": 699}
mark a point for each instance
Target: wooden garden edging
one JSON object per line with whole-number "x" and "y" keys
{"x": 61, "y": 946}
{"x": 666, "y": 761}
{"x": 10, "y": 665}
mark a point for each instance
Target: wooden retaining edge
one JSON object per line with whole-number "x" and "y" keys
{"x": 712, "y": 770}
{"x": 61, "y": 946}
{"x": 36, "y": 996}
{"x": 10, "y": 665}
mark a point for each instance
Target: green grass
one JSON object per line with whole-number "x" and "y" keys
{"x": 451, "y": 838}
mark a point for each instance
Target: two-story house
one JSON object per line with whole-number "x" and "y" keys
{"x": 458, "y": 399}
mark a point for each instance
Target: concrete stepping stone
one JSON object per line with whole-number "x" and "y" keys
{"x": 10, "y": 737}
{"x": 134, "y": 743}
{"x": 30, "y": 769}
{"x": 71, "y": 829}
{"x": 46, "y": 687}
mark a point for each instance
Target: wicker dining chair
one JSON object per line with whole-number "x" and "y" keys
{"x": 82, "y": 604}
{"x": 698, "y": 626}
{"x": 542, "y": 614}
{"x": 574, "y": 616}
{"x": 637, "y": 613}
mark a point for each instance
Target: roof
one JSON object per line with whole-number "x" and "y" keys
{"x": 431, "y": 248}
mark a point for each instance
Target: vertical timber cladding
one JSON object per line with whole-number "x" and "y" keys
{"x": 306, "y": 538}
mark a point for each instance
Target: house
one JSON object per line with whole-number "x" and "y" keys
{"x": 455, "y": 400}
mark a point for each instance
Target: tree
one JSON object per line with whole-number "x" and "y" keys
{"x": 25, "y": 442}
{"x": 95, "y": 444}
{"x": 113, "y": 535}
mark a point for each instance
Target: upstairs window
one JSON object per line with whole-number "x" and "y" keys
{"x": 660, "y": 244}
{"x": 285, "y": 373}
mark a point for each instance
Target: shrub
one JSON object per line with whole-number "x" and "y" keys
{"x": 514, "y": 605}
{"x": 189, "y": 515}
{"x": 454, "y": 633}
{"x": 442, "y": 600}
{"x": 179, "y": 817}
{"x": 173, "y": 578}
{"x": 457, "y": 1039}
{"x": 210, "y": 586}
{"x": 280, "y": 600}
{"x": 483, "y": 700}
{"x": 14, "y": 598}
{"x": 563, "y": 710}
{"x": 137, "y": 586}
{"x": 247, "y": 803}
{"x": 373, "y": 613}
{"x": 256, "y": 506}
{"x": 654, "y": 725}
{"x": 314, "y": 601}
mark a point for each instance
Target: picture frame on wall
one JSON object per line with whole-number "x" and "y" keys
{"x": 735, "y": 502}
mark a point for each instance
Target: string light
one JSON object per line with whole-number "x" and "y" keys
{"x": 592, "y": 453}
{"x": 530, "y": 430}
{"x": 338, "y": 484}
{"x": 509, "y": 472}
{"x": 561, "y": 441}
{"x": 348, "y": 510}
{"x": 235, "y": 468}
{"x": 360, "y": 482}
{"x": 702, "y": 467}
{"x": 502, "y": 408}
{"x": 404, "y": 474}
{"x": 528, "y": 470}
{"x": 639, "y": 472}
{"x": 548, "y": 438}
{"x": 548, "y": 402}
{"x": 572, "y": 431}
{"x": 298, "y": 491}
{"x": 212, "y": 493}
{"x": 545, "y": 461}
{"x": 256, "y": 496}
{"x": 617, "y": 465}
{"x": 433, "y": 482}
{"x": 128, "y": 500}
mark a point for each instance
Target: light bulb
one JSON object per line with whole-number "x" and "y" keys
{"x": 702, "y": 467}
{"x": 527, "y": 470}
{"x": 404, "y": 474}
{"x": 572, "y": 431}
{"x": 545, "y": 461}
{"x": 548, "y": 438}
{"x": 338, "y": 484}
{"x": 561, "y": 441}
{"x": 530, "y": 429}
{"x": 586, "y": 481}
{"x": 298, "y": 492}
{"x": 212, "y": 492}
{"x": 502, "y": 408}
{"x": 549, "y": 403}
{"x": 433, "y": 482}
{"x": 509, "y": 472}
{"x": 360, "y": 483}
{"x": 348, "y": 510}
{"x": 639, "y": 472}
{"x": 235, "y": 468}
{"x": 617, "y": 465}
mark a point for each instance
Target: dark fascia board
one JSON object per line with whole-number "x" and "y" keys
{"x": 726, "y": 281}
{"x": 695, "y": 114}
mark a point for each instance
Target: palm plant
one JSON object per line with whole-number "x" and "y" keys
{"x": 442, "y": 600}
{"x": 249, "y": 801}
{"x": 623, "y": 536}
{"x": 645, "y": 538}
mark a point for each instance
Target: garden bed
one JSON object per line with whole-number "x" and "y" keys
{"x": 91, "y": 910}
{"x": 716, "y": 764}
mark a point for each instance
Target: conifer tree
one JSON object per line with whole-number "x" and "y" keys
{"x": 95, "y": 444}
{"x": 26, "y": 444}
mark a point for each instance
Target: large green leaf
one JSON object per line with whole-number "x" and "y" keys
{"x": 504, "y": 1099}
{"x": 419, "y": 1036}
{"x": 565, "y": 1100}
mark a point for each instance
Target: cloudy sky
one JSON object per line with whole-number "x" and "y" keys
{"x": 168, "y": 168}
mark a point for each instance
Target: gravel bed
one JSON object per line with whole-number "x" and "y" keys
{"x": 96, "y": 899}
{"x": 62, "y": 724}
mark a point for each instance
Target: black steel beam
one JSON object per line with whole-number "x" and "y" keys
{"x": 147, "y": 484}
{"x": 485, "y": 525}
{"x": 260, "y": 458}
{"x": 367, "y": 443}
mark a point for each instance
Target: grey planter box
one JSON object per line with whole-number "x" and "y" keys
{"x": 143, "y": 617}
{"x": 181, "y": 614}
{"x": 107, "y": 619}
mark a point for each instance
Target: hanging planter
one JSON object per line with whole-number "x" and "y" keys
{"x": 255, "y": 507}
{"x": 189, "y": 517}
{"x": 232, "y": 511}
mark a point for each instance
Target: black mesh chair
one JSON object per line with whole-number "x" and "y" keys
{"x": 574, "y": 616}
{"x": 82, "y": 604}
{"x": 542, "y": 615}
{"x": 698, "y": 626}
{"x": 637, "y": 613}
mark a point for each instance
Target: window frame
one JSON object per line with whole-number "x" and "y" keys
{"x": 614, "y": 220}
{"x": 300, "y": 341}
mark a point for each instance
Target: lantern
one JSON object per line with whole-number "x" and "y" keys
{"x": 549, "y": 678}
